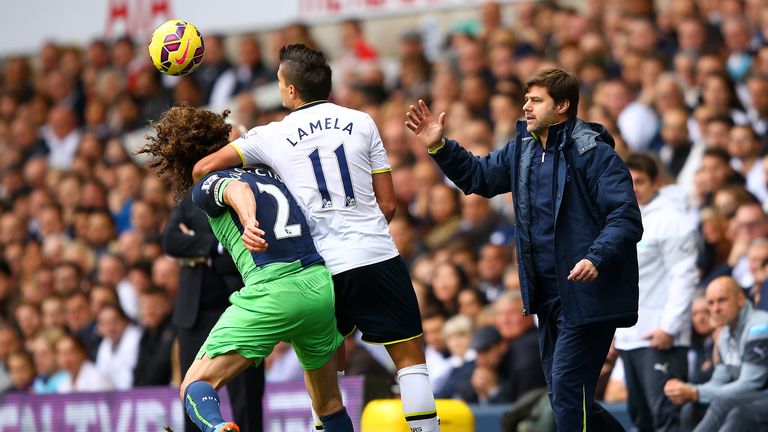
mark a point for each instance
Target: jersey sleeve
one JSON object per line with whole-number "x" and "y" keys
{"x": 251, "y": 147}
{"x": 379, "y": 160}
{"x": 208, "y": 194}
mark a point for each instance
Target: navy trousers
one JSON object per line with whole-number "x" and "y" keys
{"x": 572, "y": 357}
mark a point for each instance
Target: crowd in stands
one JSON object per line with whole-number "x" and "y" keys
{"x": 86, "y": 290}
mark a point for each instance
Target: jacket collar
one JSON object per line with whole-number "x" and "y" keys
{"x": 562, "y": 131}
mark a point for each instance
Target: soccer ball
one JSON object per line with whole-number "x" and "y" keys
{"x": 176, "y": 48}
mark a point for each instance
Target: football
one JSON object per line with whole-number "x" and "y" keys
{"x": 176, "y": 47}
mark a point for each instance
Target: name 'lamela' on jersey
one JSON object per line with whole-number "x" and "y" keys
{"x": 319, "y": 125}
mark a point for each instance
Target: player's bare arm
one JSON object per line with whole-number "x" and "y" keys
{"x": 239, "y": 196}
{"x": 226, "y": 157}
{"x": 384, "y": 191}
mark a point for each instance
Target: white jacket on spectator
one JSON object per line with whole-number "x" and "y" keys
{"x": 117, "y": 362}
{"x": 666, "y": 258}
{"x": 89, "y": 379}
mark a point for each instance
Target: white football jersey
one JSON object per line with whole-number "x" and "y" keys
{"x": 326, "y": 155}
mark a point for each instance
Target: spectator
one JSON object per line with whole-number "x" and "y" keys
{"x": 749, "y": 223}
{"x": 78, "y": 374}
{"x": 153, "y": 366}
{"x": 61, "y": 137}
{"x": 436, "y": 351}
{"x": 457, "y": 332}
{"x": 471, "y": 302}
{"x": 21, "y": 369}
{"x": 10, "y": 342}
{"x": 742, "y": 369}
{"x": 449, "y": 279}
{"x": 677, "y": 146}
{"x": 118, "y": 352}
{"x": 53, "y": 312}
{"x": 493, "y": 260}
{"x": 80, "y": 321}
{"x": 111, "y": 271}
{"x": 43, "y": 348}
{"x": 745, "y": 147}
{"x": 700, "y": 359}
{"x": 654, "y": 350}
{"x": 519, "y": 332}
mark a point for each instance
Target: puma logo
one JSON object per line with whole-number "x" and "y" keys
{"x": 183, "y": 57}
{"x": 661, "y": 367}
{"x": 760, "y": 351}
{"x": 416, "y": 429}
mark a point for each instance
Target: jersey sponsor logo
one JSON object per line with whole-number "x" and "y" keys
{"x": 208, "y": 182}
{"x": 319, "y": 125}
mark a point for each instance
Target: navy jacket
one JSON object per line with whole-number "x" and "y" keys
{"x": 596, "y": 215}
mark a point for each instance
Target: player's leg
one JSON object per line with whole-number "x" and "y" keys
{"x": 316, "y": 341}
{"x": 245, "y": 333}
{"x": 382, "y": 303}
{"x": 416, "y": 393}
{"x": 323, "y": 388}
{"x": 200, "y": 385}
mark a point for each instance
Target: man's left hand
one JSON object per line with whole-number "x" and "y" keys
{"x": 679, "y": 392}
{"x": 584, "y": 271}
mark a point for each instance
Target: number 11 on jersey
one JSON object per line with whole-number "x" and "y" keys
{"x": 346, "y": 179}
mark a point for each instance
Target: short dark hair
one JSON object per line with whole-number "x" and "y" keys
{"x": 307, "y": 70}
{"x": 719, "y": 154}
{"x": 643, "y": 163}
{"x": 560, "y": 84}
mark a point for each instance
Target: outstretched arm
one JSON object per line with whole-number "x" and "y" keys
{"x": 225, "y": 157}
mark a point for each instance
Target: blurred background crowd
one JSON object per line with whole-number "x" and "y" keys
{"x": 87, "y": 289}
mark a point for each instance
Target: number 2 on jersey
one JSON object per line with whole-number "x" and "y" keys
{"x": 346, "y": 179}
{"x": 281, "y": 228}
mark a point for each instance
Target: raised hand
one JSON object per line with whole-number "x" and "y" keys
{"x": 428, "y": 130}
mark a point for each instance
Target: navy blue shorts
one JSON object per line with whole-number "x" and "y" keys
{"x": 379, "y": 300}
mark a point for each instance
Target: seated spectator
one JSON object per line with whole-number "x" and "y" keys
{"x": 435, "y": 351}
{"x": 471, "y": 302}
{"x": 153, "y": 366}
{"x": 742, "y": 343}
{"x": 522, "y": 339}
{"x": 449, "y": 279}
{"x": 80, "y": 321}
{"x": 78, "y": 374}
{"x": 490, "y": 268}
{"x": 119, "y": 350}
{"x": 22, "y": 371}
{"x": 700, "y": 362}
{"x": 43, "y": 349}
{"x": 53, "y": 312}
{"x": 457, "y": 332}
{"x": 27, "y": 316}
{"x": 10, "y": 342}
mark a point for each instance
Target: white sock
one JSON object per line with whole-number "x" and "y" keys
{"x": 418, "y": 400}
{"x": 316, "y": 418}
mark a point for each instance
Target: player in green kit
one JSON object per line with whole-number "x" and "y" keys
{"x": 288, "y": 293}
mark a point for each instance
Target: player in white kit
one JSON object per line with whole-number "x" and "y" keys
{"x": 334, "y": 164}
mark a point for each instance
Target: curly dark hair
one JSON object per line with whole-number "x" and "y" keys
{"x": 183, "y": 136}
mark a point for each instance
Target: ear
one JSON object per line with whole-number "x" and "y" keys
{"x": 563, "y": 106}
